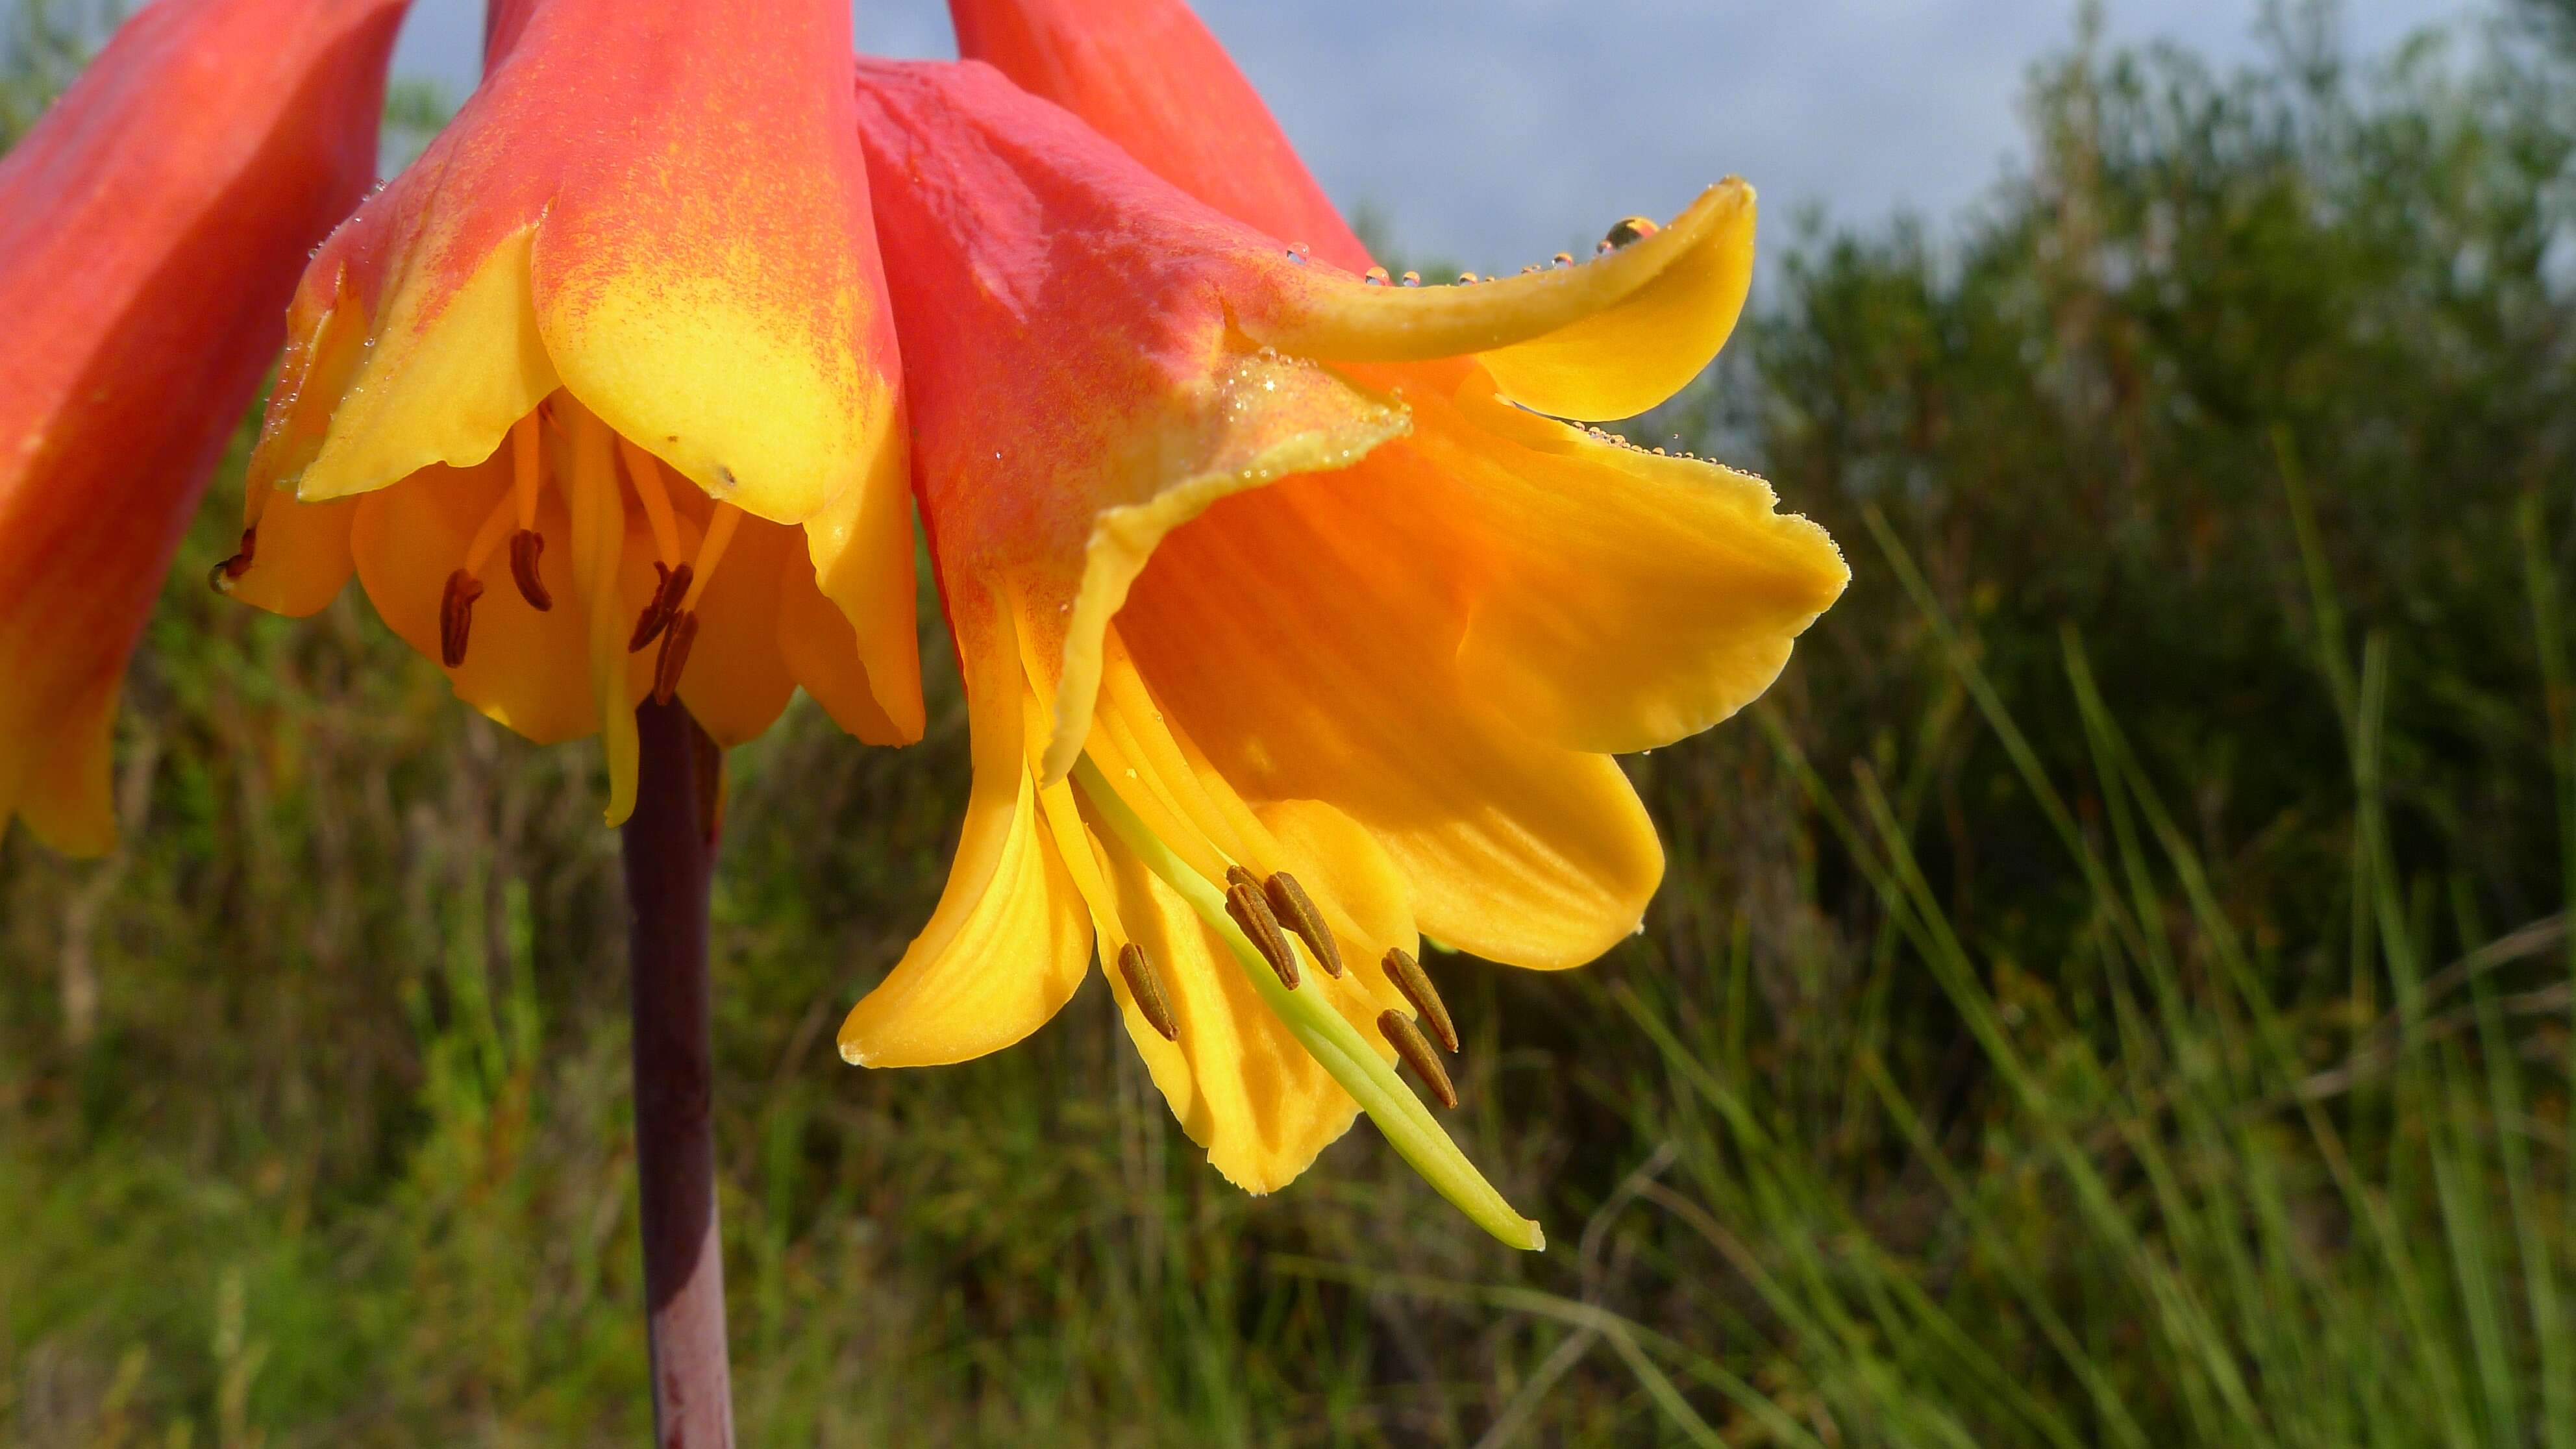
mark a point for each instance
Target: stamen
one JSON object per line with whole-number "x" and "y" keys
{"x": 221, "y": 579}
{"x": 1408, "y": 1044}
{"x": 1236, "y": 875}
{"x": 1332, "y": 1040}
{"x": 526, "y": 547}
{"x": 1146, "y": 989}
{"x": 456, "y": 616}
{"x": 666, "y": 602}
{"x": 487, "y": 535}
{"x": 674, "y": 656}
{"x": 646, "y": 472}
{"x": 1407, "y": 975}
{"x": 711, "y": 550}
{"x": 1291, "y": 906}
{"x": 1244, "y": 902}
{"x": 527, "y": 474}
{"x": 673, "y": 614}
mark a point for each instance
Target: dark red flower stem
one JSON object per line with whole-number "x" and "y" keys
{"x": 670, "y": 859}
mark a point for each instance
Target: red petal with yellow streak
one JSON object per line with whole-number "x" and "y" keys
{"x": 151, "y": 227}
{"x": 659, "y": 208}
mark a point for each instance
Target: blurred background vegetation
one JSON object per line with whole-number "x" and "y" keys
{"x": 2115, "y": 990}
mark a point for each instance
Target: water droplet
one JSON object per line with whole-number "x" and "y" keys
{"x": 1628, "y": 230}
{"x": 1297, "y": 253}
{"x": 1468, "y": 279}
{"x": 1413, "y": 279}
{"x": 1563, "y": 259}
{"x": 1376, "y": 277}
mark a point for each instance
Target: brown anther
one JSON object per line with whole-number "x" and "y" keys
{"x": 526, "y": 547}
{"x": 667, "y": 594}
{"x": 1408, "y": 1043}
{"x": 1631, "y": 229}
{"x": 1407, "y": 975}
{"x": 1243, "y": 901}
{"x": 221, "y": 579}
{"x": 1146, "y": 990}
{"x": 1377, "y": 277}
{"x": 1236, "y": 875}
{"x": 456, "y": 616}
{"x": 1293, "y": 908}
{"x": 676, "y": 639}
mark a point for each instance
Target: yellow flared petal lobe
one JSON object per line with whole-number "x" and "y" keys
{"x": 300, "y": 556}
{"x": 1317, "y": 663}
{"x": 1640, "y": 350}
{"x": 1639, "y": 599}
{"x": 822, "y": 651}
{"x": 724, "y": 385}
{"x": 861, "y": 551}
{"x": 1605, "y": 338}
{"x": 67, "y": 798}
{"x": 738, "y": 680}
{"x": 448, "y": 372}
{"x": 1010, "y": 940}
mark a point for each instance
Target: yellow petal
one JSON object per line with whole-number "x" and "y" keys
{"x": 448, "y": 373}
{"x": 67, "y": 798}
{"x": 1632, "y": 600}
{"x": 737, "y": 680}
{"x": 822, "y": 651}
{"x": 1632, "y": 355}
{"x": 1604, "y": 338}
{"x": 300, "y": 555}
{"x": 1009, "y": 942}
{"x": 860, "y": 551}
{"x": 1314, "y": 662}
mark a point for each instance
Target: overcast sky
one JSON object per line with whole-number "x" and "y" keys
{"x": 1493, "y": 132}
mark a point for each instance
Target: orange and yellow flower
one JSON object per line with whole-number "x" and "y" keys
{"x": 1261, "y": 566}
{"x": 599, "y": 398}
{"x": 151, "y": 226}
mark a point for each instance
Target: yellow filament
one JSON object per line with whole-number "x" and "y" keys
{"x": 711, "y": 551}
{"x": 526, "y": 471}
{"x": 598, "y": 542}
{"x": 488, "y": 536}
{"x": 646, "y": 470}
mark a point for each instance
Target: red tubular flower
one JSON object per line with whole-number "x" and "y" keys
{"x": 1292, "y": 630}
{"x": 641, "y": 258}
{"x": 151, "y": 227}
{"x": 1148, "y": 76}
